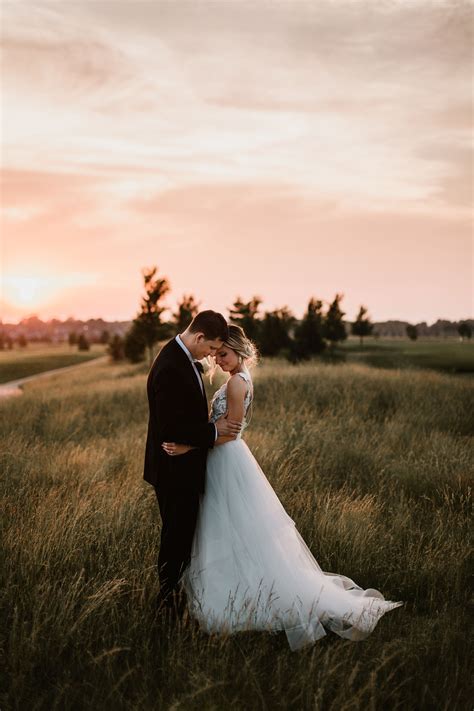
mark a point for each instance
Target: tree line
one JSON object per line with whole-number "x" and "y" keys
{"x": 276, "y": 333}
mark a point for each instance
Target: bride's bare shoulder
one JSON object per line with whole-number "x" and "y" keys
{"x": 236, "y": 385}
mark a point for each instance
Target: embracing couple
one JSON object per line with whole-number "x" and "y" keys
{"x": 228, "y": 548}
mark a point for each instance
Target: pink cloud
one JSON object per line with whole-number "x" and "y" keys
{"x": 288, "y": 153}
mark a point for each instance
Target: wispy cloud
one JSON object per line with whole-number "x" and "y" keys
{"x": 122, "y": 120}
{"x": 337, "y": 96}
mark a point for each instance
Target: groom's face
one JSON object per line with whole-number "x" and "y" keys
{"x": 203, "y": 347}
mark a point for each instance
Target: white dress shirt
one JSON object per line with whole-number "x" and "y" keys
{"x": 198, "y": 374}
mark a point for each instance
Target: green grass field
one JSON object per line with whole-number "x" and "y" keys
{"x": 448, "y": 355}
{"x": 374, "y": 466}
{"x": 38, "y": 358}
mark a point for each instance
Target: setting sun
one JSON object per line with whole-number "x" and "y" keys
{"x": 35, "y": 290}
{"x": 289, "y": 157}
{"x": 29, "y": 291}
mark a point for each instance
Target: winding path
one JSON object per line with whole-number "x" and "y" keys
{"x": 15, "y": 387}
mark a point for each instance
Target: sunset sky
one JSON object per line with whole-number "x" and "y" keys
{"x": 281, "y": 148}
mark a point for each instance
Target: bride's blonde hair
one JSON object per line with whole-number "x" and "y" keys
{"x": 240, "y": 344}
{"x": 243, "y": 346}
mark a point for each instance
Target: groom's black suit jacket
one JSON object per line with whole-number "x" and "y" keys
{"x": 178, "y": 413}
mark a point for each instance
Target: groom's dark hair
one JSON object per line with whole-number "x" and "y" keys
{"x": 212, "y": 324}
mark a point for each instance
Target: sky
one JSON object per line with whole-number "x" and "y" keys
{"x": 284, "y": 148}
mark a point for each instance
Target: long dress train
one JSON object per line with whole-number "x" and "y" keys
{"x": 250, "y": 568}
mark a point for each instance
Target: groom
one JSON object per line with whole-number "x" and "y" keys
{"x": 179, "y": 413}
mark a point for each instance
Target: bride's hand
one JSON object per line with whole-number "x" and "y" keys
{"x": 228, "y": 428}
{"x": 174, "y": 450}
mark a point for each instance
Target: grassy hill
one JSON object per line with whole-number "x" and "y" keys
{"x": 373, "y": 465}
{"x": 40, "y": 357}
{"x": 445, "y": 355}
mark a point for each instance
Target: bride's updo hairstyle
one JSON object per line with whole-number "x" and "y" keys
{"x": 242, "y": 345}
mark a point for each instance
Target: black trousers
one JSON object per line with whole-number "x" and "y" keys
{"x": 178, "y": 512}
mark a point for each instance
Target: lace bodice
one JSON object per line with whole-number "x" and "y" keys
{"x": 219, "y": 400}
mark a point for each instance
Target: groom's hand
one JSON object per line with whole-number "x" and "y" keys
{"x": 228, "y": 428}
{"x": 174, "y": 450}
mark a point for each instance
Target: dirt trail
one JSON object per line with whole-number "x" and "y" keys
{"x": 15, "y": 387}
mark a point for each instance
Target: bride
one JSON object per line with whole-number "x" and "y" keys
{"x": 250, "y": 569}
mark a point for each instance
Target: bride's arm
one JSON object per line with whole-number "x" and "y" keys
{"x": 236, "y": 391}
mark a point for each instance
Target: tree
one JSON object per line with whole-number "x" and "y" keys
{"x": 308, "y": 338}
{"x": 187, "y": 310}
{"x": 133, "y": 346}
{"x": 148, "y": 328}
{"x": 275, "y": 331}
{"x": 362, "y": 326}
{"x": 245, "y": 315}
{"x": 105, "y": 337}
{"x": 334, "y": 329}
{"x": 83, "y": 343}
{"x": 412, "y": 332}
{"x": 115, "y": 348}
{"x": 464, "y": 330}
{"x": 22, "y": 342}
{"x": 72, "y": 338}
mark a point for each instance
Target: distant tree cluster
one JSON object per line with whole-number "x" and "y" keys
{"x": 275, "y": 333}
{"x": 439, "y": 329}
{"x": 79, "y": 340}
{"x": 278, "y": 332}
{"x": 465, "y": 331}
{"x": 116, "y": 348}
{"x": 362, "y": 326}
{"x": 98, "y": 331}
{"x": 82, "y": 343}
{"x": 188, "y": 307}
{"x": 6, "y": 342}
{"x": 148, "y": 327}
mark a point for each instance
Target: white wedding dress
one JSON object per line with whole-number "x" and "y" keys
{"x": 251, "y": 570}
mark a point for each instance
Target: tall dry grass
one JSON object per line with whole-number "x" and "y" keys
{"x": 372, "y": 465}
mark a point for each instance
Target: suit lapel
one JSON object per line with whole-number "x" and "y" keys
{"x": 188, "y": 367}
{"x": 204, "y": 396}
{"x": 203, "y": 390}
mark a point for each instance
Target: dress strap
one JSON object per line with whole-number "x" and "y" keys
{"x": 246, "y": 376}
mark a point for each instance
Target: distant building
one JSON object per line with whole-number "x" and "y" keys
{"x": 56, "y": 331}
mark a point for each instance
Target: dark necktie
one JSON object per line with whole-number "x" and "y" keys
{"x": 199, "y": 366}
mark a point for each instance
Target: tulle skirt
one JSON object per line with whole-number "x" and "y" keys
{"x": 251, "y": 570}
